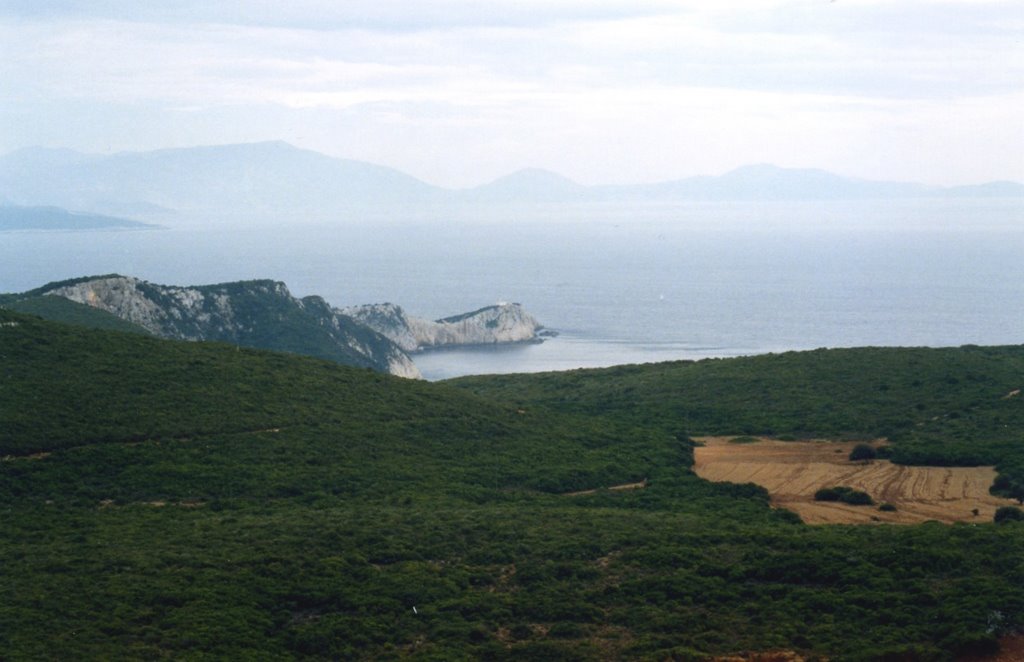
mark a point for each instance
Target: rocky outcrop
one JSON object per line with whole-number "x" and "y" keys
{"x": 500, "y": 323}
{"x": 398, "y": 362}
{"x": 260, "y": 313}
{"x": 265, "y": 315}
{"x": 388, "y": 320}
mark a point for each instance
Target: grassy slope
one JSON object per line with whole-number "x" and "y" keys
{"x": 309, "y": 507}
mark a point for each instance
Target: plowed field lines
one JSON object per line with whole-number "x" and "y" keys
{"x": 792, "y": 471}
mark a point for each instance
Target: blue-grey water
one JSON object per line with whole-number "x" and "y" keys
{"x": 620, "y": 286}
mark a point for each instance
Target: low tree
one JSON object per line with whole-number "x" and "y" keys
{"x": 845, "y": 495}
{"x": 857, "y": 498}
{"x": 1008, "y": 487}
{"x": 827, "y": 494}
{"x": 1008, "y": 514}
{"x": 863, "y": 452}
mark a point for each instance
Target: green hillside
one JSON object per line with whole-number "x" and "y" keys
{"x": 59, "y": 309}
{"x": 950, "y": 406}
{"x": 192, "y": 500}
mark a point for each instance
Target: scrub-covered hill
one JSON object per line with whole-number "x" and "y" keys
{"x": 946, "y": 407}
{"x": 190, "y": 500}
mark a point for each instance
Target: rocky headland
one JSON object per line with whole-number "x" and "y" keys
{"x": 264, "y": 314}
{"x": 497, "y": 324}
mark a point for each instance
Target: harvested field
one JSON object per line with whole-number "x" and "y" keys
{"x": 792, "y": 471}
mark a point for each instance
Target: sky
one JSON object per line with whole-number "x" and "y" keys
{"x": 459, "y": 92}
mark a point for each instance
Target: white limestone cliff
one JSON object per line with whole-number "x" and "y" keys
{"x": 258, "y": 313}
{"x": 500, "y": 323}
{"x": 135, "y": 300}
{"x": 263, "y": 313}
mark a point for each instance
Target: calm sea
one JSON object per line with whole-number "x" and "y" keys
{"x": 620, "y": 285}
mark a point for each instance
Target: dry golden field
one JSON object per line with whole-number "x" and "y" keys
{"x": 792, "y": 471}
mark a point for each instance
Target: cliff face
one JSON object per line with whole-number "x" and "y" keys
{"x": 363, "y": 339}
{"x": 388, "y": 320}
{"x": 260, "y": 314}
{"x": 264, "y": 314}
{"x": 501, "y": 323}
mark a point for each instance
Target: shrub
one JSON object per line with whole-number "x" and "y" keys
{"x": 1008, "y": 514}
{"x": 1008, "y": 487}
{"x": 857, "y": 498}
{"x": 844, "y": 494}
{"x": 566, "y": 630}
{"x": 521, "y": 631}
{"x": 887, "y": 507}
{"x": 827, "y": 494}
{"x": 863, "y": 452}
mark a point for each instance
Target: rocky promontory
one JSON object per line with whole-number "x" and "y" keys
{"x": 264, "y": 314}
{"x": 258, "y": 313}
{"x": 500, "y": 323}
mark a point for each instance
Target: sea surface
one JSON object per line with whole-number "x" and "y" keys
{"x": 620, "y": 285}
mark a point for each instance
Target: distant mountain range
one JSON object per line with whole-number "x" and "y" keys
{"x": 275, "y": 180}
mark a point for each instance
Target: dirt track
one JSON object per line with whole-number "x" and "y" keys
{"x": 614, "y": 488}
{"x": 792, "y": 471}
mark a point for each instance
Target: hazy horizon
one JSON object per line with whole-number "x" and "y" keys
{"x": 457, "y": 93}
{"x": 527, "y": 169}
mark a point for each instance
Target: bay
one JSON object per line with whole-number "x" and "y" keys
{"x": 620, "y": 285}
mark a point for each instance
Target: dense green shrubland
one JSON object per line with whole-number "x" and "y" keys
{"x": 946, "y": 407}
{"x": 201, "y": 501}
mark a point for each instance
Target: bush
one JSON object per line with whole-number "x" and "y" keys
{"x": 1007, "y": 487}
{"x": 857, "y": 498}
{"x": 566, "y": 630}
{"x": 887, "y": 507}
{"x": 521, "y": 631}
{"x": 827, "y": 494}
{"x": 1008, "y": 514}
{"x": 844, "y": 494}
{"x": 863, "y": 452}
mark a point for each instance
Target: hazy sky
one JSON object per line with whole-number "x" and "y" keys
{"x": 457, "y": 92}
